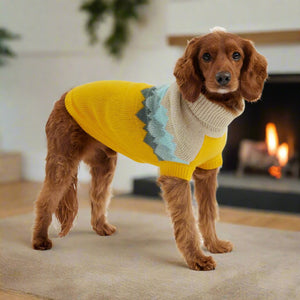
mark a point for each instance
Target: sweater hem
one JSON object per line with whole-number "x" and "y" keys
{"x": 178, "y": 170}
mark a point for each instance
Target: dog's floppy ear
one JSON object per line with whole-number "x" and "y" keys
{"x": 253, "y": 73}
{"x": 187, "y": 72}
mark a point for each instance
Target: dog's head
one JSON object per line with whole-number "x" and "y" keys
{"x": 222, "y": 66}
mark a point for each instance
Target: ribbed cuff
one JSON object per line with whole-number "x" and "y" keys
{"x": 176, "y": 170}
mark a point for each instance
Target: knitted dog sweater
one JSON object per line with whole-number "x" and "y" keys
{"x": 153, "y": 124}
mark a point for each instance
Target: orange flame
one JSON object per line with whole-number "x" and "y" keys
{"x": 281, "y": 152}
{"x": 275, "y": 171}
{"x": 271, "y": 138}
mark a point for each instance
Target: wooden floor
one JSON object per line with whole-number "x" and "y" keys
{"x": 18, "y": 198}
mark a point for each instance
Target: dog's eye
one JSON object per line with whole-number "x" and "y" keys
{"x": 206, "y": 57}
{"x": 236, "y": 55}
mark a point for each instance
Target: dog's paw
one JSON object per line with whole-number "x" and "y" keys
{"x": 219, "y": 246}
{"x": 41, "y": 244}
{"x": 202, "y": 263}
{"x": 105, "y": 229}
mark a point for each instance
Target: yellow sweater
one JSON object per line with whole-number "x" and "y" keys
{"x": 152, "y": 125}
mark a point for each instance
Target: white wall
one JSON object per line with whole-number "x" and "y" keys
{"x": 53, "y": 56}
{"x": 235, "y": 15}
{"x": 194, "y": 17}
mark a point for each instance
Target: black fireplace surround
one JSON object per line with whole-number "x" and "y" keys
{"x": 279, "y": 104}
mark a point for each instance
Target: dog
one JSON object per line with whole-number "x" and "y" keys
{"x": 165, "y": 126}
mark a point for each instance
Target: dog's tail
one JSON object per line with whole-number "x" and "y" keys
{"x": 67, "y": 208}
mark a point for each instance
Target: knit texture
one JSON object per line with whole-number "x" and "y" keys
{"x": 155, "y": 117}
{"x": 189, "y": 122}
{"x": 152, "y": 124}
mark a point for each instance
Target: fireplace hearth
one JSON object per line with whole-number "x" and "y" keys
{"x": 255, "y": 192}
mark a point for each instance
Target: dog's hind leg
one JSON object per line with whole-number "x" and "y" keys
{"x": 66, "y": 145}
{"x": 205, "y": 193}
{"x": 68, "y": 207}
{"x": 59, "y": 177}
{"x": 102, "y": 162}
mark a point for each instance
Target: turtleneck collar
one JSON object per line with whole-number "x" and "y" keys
{"x": 212, "y": 115}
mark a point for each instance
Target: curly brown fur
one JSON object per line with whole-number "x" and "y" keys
{"x": 102, "y": 162}
{"x": 177, "y": 195}
{"x": 205, "y": 193}
{"x": 194, "y": 75}
{"x": 68, "y": 144}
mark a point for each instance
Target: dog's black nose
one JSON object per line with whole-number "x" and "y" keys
{"x": 223, "y": 78}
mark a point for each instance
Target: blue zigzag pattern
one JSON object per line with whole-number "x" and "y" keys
{"x": 155, "y": 118}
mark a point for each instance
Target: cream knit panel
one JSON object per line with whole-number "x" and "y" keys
{"x": 189, "y": 122}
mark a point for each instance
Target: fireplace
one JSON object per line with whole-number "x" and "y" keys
{"x": 280, "y": 105}
{"x": 256, "y": 188}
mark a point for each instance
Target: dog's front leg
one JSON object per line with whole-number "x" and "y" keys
{"x": 205, "y": 193}
{"x": 177, "y": 195}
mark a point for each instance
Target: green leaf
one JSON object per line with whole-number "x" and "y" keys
{"x": 122, "y": 11}
{"x": 5, "y": 51}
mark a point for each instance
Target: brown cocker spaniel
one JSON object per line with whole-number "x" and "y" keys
{"x": 220, "y": 69}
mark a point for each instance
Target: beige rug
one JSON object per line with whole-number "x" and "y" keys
{"x": 141, "y": 262}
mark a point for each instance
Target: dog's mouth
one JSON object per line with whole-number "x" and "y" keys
{"x": 221, "y": 90}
